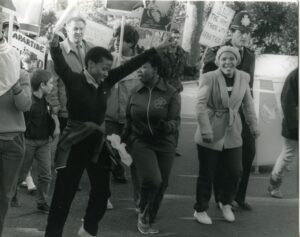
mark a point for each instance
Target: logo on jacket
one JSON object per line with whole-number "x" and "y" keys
{"x": 159, "y": 103}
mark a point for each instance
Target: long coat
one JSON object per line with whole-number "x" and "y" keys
{"x": 247, "y": 65}
{"x": 218, "y": 114}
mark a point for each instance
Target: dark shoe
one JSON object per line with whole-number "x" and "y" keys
{"x": 43, "y": 207}
{"x": 120, "y": 180}
{"x": 15, "y": 202}
{"x": 32, "y": 192}
{"x": 177, "y": 153}
{"x": 244, "y": 205}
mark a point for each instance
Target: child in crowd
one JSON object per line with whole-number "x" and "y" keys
{"x": 40, "y": 126}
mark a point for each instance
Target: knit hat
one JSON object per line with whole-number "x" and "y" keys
{"x": 230, "y": 49}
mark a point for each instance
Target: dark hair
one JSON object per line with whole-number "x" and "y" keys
{"x": 131, "y": 35}
{"x": 96, "y": 54}
{"x": 76, "y": 18}
{"x": 39, "y": 76}
{"x": 175, "y": 31}
{"x": 157, "y": 62}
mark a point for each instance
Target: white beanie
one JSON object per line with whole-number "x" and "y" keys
{"x": 230, "y": 49}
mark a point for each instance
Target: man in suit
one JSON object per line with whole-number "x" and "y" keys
{"x": 240, "y": 30}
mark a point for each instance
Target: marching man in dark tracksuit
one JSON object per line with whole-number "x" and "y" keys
{"x": 153, "y": 116}
{"x": 240, "y": 37}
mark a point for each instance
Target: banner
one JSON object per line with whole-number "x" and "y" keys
{"x": 123, "y": 6}
{"x": 29, "y": 15}
{"x": 216, "y": 27}
{"x": 98, "y": 34}
{"x": 22, "y": 43}
{"x": 158, "y": 15}
{"x": 8, "y": 4}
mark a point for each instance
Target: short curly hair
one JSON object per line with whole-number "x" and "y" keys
{"x": 131, "y": 35}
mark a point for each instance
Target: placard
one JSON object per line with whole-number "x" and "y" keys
{"x": 216, "y": 27}
{"x": 21, "y": 42}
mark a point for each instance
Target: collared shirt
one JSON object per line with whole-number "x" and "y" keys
{"x": 90, "y": 79}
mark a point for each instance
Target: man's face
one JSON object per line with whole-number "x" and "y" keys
{"x": 99, "y": 71}
{"x": 175, "y": 39}
{"x": 5, "y": 31}
{"x": 155, "y": 15}
{"x": 75, "y": 31}
{"x": 240, "y": 38}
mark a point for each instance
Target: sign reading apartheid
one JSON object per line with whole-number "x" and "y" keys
{"x": 216, "y": 27}
{"x": 23, "y": 43}
{"x": 98, "y": 34}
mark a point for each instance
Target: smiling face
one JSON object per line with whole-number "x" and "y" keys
{"x": 75, "y": 31}
{"x": 99, "y": 71}
{"x": 227, "y": 63}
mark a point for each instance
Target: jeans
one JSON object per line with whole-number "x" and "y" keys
{"x": 66, "y": 185}
{"x": 288, "y": 154}
{"x": 231, "y": 162}
{"x": 11, "y": 158}
{"x": 40, "y": 150}
{"x": 153, "y": 169}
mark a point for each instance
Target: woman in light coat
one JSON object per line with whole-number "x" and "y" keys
{"x": 218, "y": 136}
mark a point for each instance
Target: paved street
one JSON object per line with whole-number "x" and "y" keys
{"x": 270, "y": 217}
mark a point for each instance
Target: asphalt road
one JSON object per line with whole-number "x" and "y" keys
{"x": 269, "y": 217}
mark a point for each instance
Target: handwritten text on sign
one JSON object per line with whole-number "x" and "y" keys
{"x": 21, "y": 42}
{"x": 216, "y": 26}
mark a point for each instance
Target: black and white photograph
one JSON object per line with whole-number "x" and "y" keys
{"x": 158, "y": 15}
{"x": 129, "y": 118}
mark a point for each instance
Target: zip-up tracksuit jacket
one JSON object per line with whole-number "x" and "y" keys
{"x": 153, "y": 115}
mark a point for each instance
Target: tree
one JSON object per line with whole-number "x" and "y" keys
{"x": 47, "y": 18}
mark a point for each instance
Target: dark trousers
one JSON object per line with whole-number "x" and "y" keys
{"x": 153, "y": 169}
{"x": 116, "y": 128}
{"x": 248, "y": 154}
{"x": 66, "y": 185}
{"x": 231, "y": 161}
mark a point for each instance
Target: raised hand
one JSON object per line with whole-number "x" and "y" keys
{"x": 53, "y": 38}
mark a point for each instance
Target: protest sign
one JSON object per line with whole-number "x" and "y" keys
{"x": 158, "y": 15}
{"x": 216, "y": 27}
{"x": 23, "y": 43}
{"x": 98, "y": 34}
{"x": 29, "y": 15}
{"x": 123, "y": 6}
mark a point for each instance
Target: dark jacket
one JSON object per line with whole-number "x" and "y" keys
{"x": 153, "y": 115}
{"x": 247, "y": 65}
{"x": 86, "y": 102}
{"x": 39, "y": 123}
{"x": 289, "y": 104}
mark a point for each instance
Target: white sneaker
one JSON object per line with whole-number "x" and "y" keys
{"x": 82, "y": 232}
{"x": 227, "y": 212}
{"x": 30, "y": 183}
{"x": 109, "y": 205}
{"x": 202, "y": 218}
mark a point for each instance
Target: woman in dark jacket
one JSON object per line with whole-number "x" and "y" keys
{"x": 153, "y": 115}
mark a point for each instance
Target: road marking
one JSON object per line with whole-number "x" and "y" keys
{"x": 34, "y": 231}
{"x": 193, "y": 176}
{"x": 251, "y": 198}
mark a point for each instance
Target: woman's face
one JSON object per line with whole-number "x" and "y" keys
{"x": 227, "y": 63}
{"x": 147, "y": 74}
